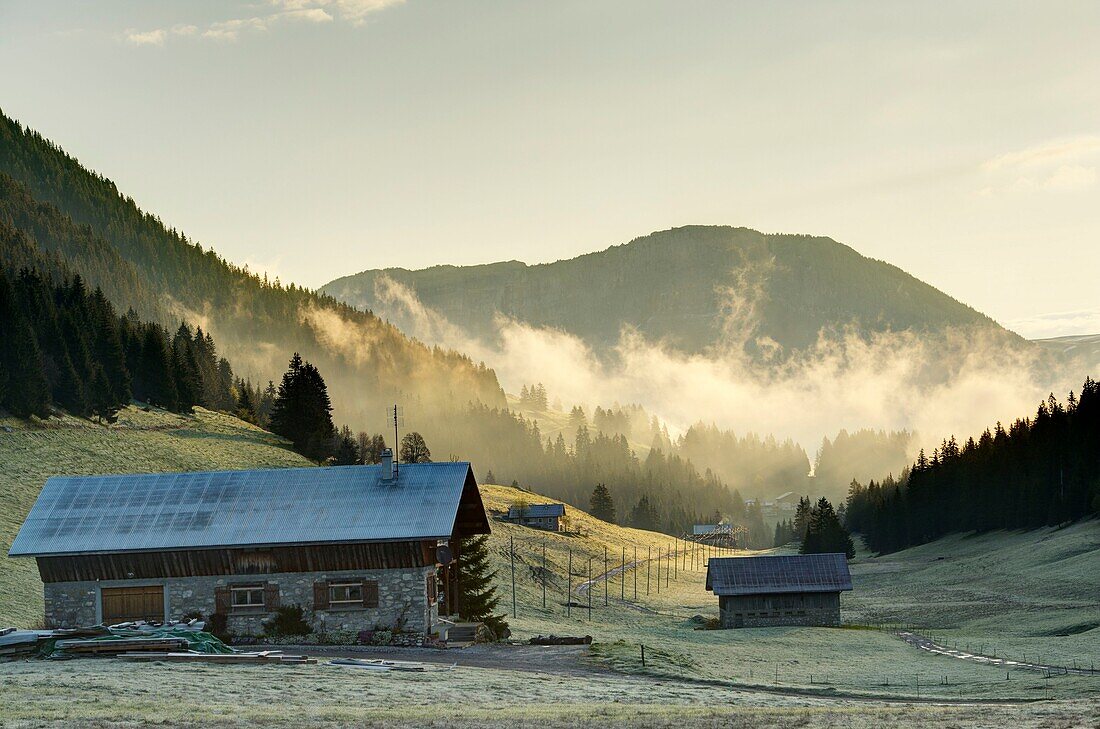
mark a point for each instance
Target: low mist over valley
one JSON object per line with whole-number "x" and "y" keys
{"x": 789, "y": 337}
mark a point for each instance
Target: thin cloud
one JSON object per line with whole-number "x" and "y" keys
{"x": 1046, "y": 153}
{"x": 1059, "y": 165}
{"x": 147, "y": 37}
{"x": 353, "y": 12}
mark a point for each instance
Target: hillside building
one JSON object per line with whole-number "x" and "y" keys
{"x": 539, "y": 516}
{"x": 357, "y": 547}
{"x": 757, "y": 592}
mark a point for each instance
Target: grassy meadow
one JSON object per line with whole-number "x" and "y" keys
{"x": 1030, "y": 592}
{"x": 1013, "y": 599}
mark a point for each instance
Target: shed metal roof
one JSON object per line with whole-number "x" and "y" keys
{"x": 778, "y": 574}
{"x": 703, "y": 529}
{"x": 167, "y": 511}
{"x": 535, "y": 511}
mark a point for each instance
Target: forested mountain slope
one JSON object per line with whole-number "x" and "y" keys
{"x": 57, "y": 215}
{"x": 695, "y": 287}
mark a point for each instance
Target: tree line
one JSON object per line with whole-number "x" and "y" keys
{"x": 1041, "y": 471}
{"x": 817, "y": 528}
{"x": 63, "y": 345}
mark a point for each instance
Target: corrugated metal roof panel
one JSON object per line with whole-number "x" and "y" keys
{"x": 535, "y": 511}
{"x": 702, "y": 529}
{"x": 778, "y": 574}
{"x": 141, "y": 512}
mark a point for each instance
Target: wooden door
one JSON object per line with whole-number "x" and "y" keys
{"x": 125, "y": 604}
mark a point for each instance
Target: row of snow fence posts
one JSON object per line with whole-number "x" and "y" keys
{"x": 689, "y": 555}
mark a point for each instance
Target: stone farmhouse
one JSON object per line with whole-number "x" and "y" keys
{"x": 357, "y": 547}
{"x": 757, "y": 592}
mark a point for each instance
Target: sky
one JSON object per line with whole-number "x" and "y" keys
{"x": 312, "y": 139}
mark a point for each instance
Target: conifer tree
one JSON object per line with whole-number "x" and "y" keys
{"x": 157, "y": 386}
{"x": 643, "y": 515}
{"x": 185, "y": 370}
{"x": 477, "y": 598}
{"x": 601, "y": 504}
{"x": 302, "y": 411}
{"x": 346, "y": 451}
{"x": 107, "y": 348}
{"x": 28, "y": 390}
{"x": 825, "y": 533}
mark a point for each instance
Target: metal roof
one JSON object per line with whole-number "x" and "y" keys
{"x": 535, "y": 511}
{"x": 704, "y": 529}
{"x": 777, "y": 574}
{"x": 143, "y": 512}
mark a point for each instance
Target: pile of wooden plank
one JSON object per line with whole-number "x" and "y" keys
{"x": 264, "y": 657}
{"x": 114, "y": 646}
{"x": 16, "y": 643}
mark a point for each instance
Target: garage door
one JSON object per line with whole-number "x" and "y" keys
{"x": 124, "y": 604}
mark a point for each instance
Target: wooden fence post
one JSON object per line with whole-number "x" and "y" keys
{"x": 512, "y": 557}
{"x": 569, "y": 589}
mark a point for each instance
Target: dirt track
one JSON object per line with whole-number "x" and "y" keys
{"x": 926, "y": 644}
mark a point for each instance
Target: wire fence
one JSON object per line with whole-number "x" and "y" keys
{"x": 590, "y": 579}
{"x": 585, "y": 580}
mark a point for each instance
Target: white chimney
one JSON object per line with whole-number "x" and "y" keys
{"x": 388, "y": 471}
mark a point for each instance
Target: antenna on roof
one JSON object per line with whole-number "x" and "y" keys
{"x": 396, "y": 443}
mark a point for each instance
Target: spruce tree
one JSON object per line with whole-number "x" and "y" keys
{"x": 601, "y": 504}
{"x": 825, "y": 533}
{"x": 7, "y": 325}
{"x": 28, "y": 390}
{"x": 108, "y": 350}
{"x": 346, "y": 451}
{"x": 156, "y": 385}
{"x": 302, "y": 411}
{"x": 477, "y": 598}
{"x": 185, "y": 370}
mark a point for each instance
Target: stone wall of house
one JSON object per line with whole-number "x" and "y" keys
{"x": 764, "y": 611}
{"x": 402, "y": 600}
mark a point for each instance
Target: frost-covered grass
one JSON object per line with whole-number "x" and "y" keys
{"x": 1045, "y": 571}
{"x": 1033, "y": 594}
{"x": 140, "y": 442}
{"x": 105, "y": 692}
{"x": 1012, "y": 588}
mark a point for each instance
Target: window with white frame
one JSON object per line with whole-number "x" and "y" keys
{"x": 344, "y": 593}
{"x": 248, "y": 596}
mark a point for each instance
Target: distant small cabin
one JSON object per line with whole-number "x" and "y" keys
{"x": 719, "y": 535}
{"x": 757, "y": 592}
{"x": 703, "y": 530}
{"x": 539, "y": 516}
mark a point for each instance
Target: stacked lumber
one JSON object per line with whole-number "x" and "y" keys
{"x": 264, "y": 657}
{"x": 18, "y": 643}
{"x": 112, "y": 646}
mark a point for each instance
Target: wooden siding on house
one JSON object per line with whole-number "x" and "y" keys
{"x": 210, "y": 562}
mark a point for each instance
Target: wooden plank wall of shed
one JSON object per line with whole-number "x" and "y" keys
{"x": 207, "y": 562}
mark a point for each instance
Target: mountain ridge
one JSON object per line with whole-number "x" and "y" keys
{"x": 684, "y": 285}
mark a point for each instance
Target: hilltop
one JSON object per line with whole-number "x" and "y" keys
{"x": 140, "y": 442}
{"x": 694, "y": 287}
